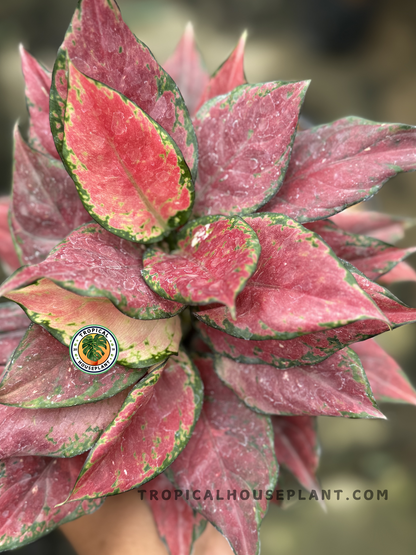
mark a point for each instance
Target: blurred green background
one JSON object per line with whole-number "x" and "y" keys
{"x": 361, "y": 57}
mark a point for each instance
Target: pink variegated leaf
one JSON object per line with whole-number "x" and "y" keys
{"x": 129, "y": 173}
{"x": 37, "y": 87}
{"x": 371, "y": 256}
{"x": 299, "y": 287}
{"x": 41, "y": 375}
{"x": 178, "y": 525}
{"x": 187, "y": 69}
{"x": 215, "y": 257}
{"x": 245, "y": 140}
{"x": 8, "y": 343}
{"x": 401, "y": 272}
{"x": 337, "y": 165}
{"x": 102, "y": 47}
{"x": 30, "y": 490}
{"x": 228, "y": 76}
{"x": 142, "y": 342}
{"x": 96, "y": 263}
{"x": 387, "y": 379}
{"x": 12, "y": 318}
{"x": 151, "y": 429}
{"x": 8, "y": 256}
{"x": 231, "y": 449}
{"x": 336, "y": 386}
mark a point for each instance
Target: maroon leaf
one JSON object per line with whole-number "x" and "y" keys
{"x": 335, "y": 387}
{"x": 371, "y": 256}
{"x": 401, "y": 272}
{"x": 102, "y": 47}
{"x": 187, "y": 69}
{"x": 8, "y": 256}
{"x": 38, "y": 84}
{"x": 299, "y": 287}
{"x": 245, "y": 141}
{"x": 231, "y": 450}
{"x": 94, "y": 262}
{"x": 215, "y": 257}
{"x": 387, "y": 379}
{"x": 30, "y": 490}
{"x": 336, "y": 165}
{"x": 178, "y": 525}
{"x": 12, "y": 318}
{"x": 149, "y": 432}
{"x": 41, "y": 375}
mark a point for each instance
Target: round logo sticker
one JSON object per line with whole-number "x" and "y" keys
{"x": 94, "y": 349}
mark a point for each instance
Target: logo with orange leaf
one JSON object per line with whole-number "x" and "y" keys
{"x": 94, "y": 349}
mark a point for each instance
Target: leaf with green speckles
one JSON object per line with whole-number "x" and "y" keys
{"x": 8, "y": 257}
{"x": 245, "y": 140}
{"x": 153, "y": 426}
{"x": 13, "y": 326}
{"x": 129, "y": 173}
{"x": 231, "y": 449}
{"x": 299, "y": 287}
{"x": 336, "y": 386}
{"x": 41, "y": 375}
{"x": 213, "y": 259}
{"x": 142, "y": 342}
{"x": 30, "y": 490}
{"x": 93, "y": 262}
{"x": 339, "y": 164}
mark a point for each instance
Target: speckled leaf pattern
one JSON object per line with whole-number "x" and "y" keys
{"x": 231, "y": 449}
{"x": 342, "y": 163}
{"x": 114, "y": 151}
{"x": 149, "y": 432}
{"x": 8, "y": 256}
{"x": 187, "y": 69}
{"x": 371, "y": 256}
{"x": 37, "y": 87}
{"x": 215, "y": 257}
{"x": 335, "y": 387}
{"x": 45, "y": 205}
{"x": 93, "y": 262}
{"x": 178, "y": 525}
{"x": 12, "y": 317}
{"x": 387, "y": 379}
{"x": 142, "y": 342}
{"x": 41, "y": 375}
{"x": 30, "y": 490}
{"x": 102, "y": 47}
{"x": 299, "y": 287}
{"x": 8, "y": 343}
{"x": 245, "y": 141}
{"x": 401, "y": 272}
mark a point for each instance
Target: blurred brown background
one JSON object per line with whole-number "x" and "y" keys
{"x": 361, "y": 57}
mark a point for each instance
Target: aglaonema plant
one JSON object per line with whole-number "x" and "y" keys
{"x": 143, "y": 191}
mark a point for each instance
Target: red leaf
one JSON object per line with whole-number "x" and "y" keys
{"x": 299, "y": 287}
{"x": 187, "y": 69}
{"x": 335, "y": 387}
{"x": 101, "y": 45}
{"x": 401, "y": 272}
{"x": 94, "y": 262}
{"x": 231, "y": 449}
{"x": 131, "y": 178}
{"x": 245, "y": 142}
{"x": 215, "y": 257}
{"x": 30, "y": 490}
{"x": 38, "y": 84}
{"x": 336, "y": 165}
{"x": 229, "y": 75}
{"x": 149, "y": 432}
{"x": 8, "y": 256}
{"x": 8, "y": 343}
{"x": 41, "y": 375}
{"x": 12, "y": 318}
{"x": 387, "y": 379}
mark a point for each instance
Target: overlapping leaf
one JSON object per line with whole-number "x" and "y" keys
{"x": 8, "y": 256}
{"x": 339, "y": 164}
{"x": 149, "y": 432}
{"x": 335, "y": 387}
{"x": 12, "y": 318}
{"x": 94, "y": 262}
{"x": 215, "y": 257}
{"x": 231, "y": 450}
{"x": 102, "y": 47}
{"x": 30, "y": 490}
{"x": 142, "y": 342}
{"x": 245, "y": 141}
{"x": 401, "y": 272}
{"x": 129, "y": 173}
{"x": 299, "y": 287}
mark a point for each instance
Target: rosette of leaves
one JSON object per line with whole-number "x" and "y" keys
{"x": 143, "y": 191}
